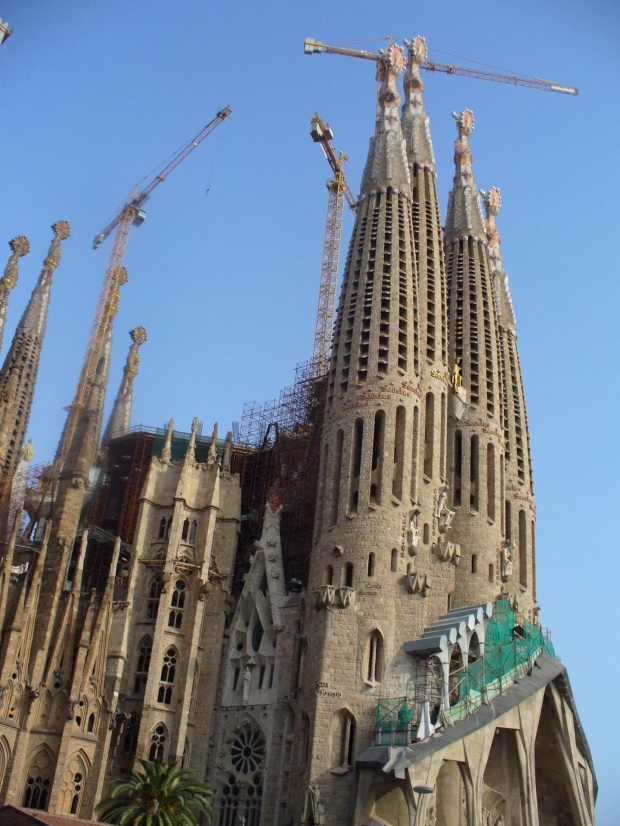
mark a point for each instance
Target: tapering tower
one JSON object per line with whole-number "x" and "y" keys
{"x": 430, "y": 480}
{"x": 368, "y": 578}
{"x": 519, "y": 507}
{"x": 120, "y": 418}
{"x": 475, "y": 434}
{"x": 19, "y": 372}
{"x": 19, "y": 247}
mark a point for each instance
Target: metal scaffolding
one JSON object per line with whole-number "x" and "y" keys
{"x": 282, "y": 439}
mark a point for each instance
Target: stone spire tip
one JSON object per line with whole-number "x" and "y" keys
{"x": 464, "y": 211}
{"x": 387, "y": 159}
{"x": 414, "y": 119}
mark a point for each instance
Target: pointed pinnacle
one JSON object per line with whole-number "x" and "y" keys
{"x": 167, "y": 449}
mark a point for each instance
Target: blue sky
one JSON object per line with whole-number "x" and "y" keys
{"x": 96, "y": 95}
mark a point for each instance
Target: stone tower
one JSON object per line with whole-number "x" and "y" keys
{"x": 18, "y": 375}
{"x": 519, "y": 516}
{"x": 369, "y": 575}
{"x": 475, "y": 433}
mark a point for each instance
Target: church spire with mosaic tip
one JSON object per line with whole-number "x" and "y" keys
{"x": 415, "y": 121}
{"x": 387, "y": 159}
{"x": 464, "y": 216}
{"x": 18, "y": 375}
{"x": 432, "y": 292}
{"x": 519, "y": 506}
{"x": 475, "y": 433}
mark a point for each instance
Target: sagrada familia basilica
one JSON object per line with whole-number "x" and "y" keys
{"x": 376, "y": 660}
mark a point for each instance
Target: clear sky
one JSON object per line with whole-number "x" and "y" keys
{"x": 97, "y": 94}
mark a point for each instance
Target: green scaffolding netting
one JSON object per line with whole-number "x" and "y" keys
{"x": 509, "y": 649}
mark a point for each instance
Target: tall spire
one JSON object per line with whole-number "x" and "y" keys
{"x": 166, "y": 453}
{"x": 20, "y": 247}
{"x": 190, "y": 453}
{"x": 387, "y": 159}
{"x": 19, "y": 372}
{"x": 414, "y": 118}
{"x": 464, "y": 212}
{"x": 119, "y": 278}
{"x": 519, "y": 563}
{"x": 503, "y": 302}
{"x": 120, "y": 418}
{"x": 475, "y": 435}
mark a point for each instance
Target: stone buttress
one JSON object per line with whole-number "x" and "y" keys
{"x": 475, "y": 433}
{"x": 519, "y": 507}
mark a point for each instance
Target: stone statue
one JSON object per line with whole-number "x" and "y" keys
{"x": 506, "y": 560}
{"x": 247, "y": 680}
{"x": 413, "y": 534}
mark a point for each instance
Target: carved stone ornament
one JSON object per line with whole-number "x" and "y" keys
{"x": 314, "y": 810}
{"x": 418, "y": 583}
{"x": 413, "y": 535}
{"x": 506, "y": 561}
{"x": 119, "y": 606}
{"x": 448, "y": 551}
{"x": 346, "y": 596}
{"x": 325, "y": 596}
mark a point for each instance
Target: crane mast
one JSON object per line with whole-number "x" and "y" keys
{"x": 338, "y": 191}
{"x": 115, "y": 275}
{"x": 312, "y": 46}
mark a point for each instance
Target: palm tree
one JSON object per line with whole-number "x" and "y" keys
{"x": 160, "y": 795}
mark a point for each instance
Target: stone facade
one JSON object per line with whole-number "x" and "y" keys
{"x": 405, "y": 679}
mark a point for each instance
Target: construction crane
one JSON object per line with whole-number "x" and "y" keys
{"x": 315, "y": 47}
{"x": 130, "y": 215}
{"x": 338, "y": 190}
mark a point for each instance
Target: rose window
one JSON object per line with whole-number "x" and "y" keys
{"x": 247, "y": 751}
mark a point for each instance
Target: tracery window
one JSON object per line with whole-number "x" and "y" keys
{"x": 158, "y": 743}
{"x": 142, "y": 668}
{"x": 168, "y": 672}
{"x": 177, "y": 603}
{"x": 152, "y": 603}
{"x": 38, "y": 783}
{"x": 240, "y": 796}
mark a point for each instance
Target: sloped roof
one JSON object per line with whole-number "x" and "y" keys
{"x": 14, "y": 815}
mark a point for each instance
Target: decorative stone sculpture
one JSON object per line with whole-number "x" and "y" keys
{"x": 506, "y": 560}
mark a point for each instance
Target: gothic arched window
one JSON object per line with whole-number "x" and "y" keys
{"x": 343, "y": 739}
{"x": 185, "y": 531}
{"x": 152, "y": 603}
{"x": 158, "y": 743}
{"x": 168, "y": 671}
{"x": 142, "y": 668}
{"x": 192, "y": 532}
{"x": 177, "y": 604}
{"x": 38, "y": 782}
{"x": 374, "y": 658}
{"x": 241, "y": 790}
{"x": 162, "y": 528}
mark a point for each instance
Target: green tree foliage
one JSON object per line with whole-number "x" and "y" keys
{"x": 160, "y": 795}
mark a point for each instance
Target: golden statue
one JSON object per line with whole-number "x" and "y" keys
{"x": 456, "y": 380}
